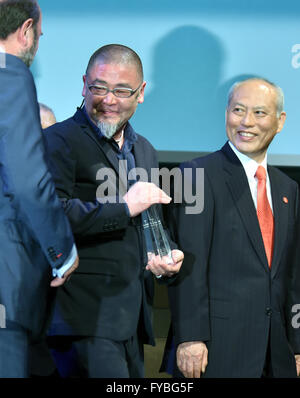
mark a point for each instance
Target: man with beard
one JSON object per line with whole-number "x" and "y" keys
{"x": 34, "y": 231}
{"x": 103, "y": 313}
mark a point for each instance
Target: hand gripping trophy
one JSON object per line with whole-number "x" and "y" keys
{"x": 155, "y": 237}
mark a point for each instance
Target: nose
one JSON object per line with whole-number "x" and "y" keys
{"x": 109, "y": 99}
{"x": 248, "y": 119}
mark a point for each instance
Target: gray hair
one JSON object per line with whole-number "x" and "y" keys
{"x": 278, "y": 90}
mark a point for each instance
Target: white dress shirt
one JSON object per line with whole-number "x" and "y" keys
{"x": 67, "y": 264}
{"x": 250, "y": 167}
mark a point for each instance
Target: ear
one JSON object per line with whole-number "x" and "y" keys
{"x": 84, "y": 86}
{"x": 140, "y": 97}
{"x": 25, "y": 33}
{"x": 226, "y": 115}
{"x": 281, "y": 121}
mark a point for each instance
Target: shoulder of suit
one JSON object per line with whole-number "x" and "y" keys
{"x": 14, "y": 64}
{"x": 66, "y": 136}
{"x": 210, "y": 161}
{"x": 19, "y": 73}
{"x": 66, "y": 128}
{"x": 141, "y": 140}
{"x": 274, "y": 172}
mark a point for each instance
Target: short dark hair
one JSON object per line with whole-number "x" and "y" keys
{"x": 116, "y": 53}
{"x": 13, "y": 13}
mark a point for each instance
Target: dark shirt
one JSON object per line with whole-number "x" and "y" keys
{"x": 124, "y": 153}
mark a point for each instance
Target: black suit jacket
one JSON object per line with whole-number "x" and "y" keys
{"x": 111, "y": 293}
{"x": 226, "y": 294}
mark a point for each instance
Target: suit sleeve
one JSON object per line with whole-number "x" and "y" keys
{"x": 188, "y": 296}
{"x": 24, "y": 170}
{"x": 87, "y": 218}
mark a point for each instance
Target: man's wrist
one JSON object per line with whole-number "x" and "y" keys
{"x": 59, "y": 272}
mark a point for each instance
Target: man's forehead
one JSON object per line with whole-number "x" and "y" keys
{"x": 257, "y": 91}
{"x": 115, "y": 72}
{"x": 254, "y": 87}
{"x": 101, "y": 65}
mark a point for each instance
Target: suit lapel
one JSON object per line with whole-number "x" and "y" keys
{"x": 105, "y": 148}
{"x": 238, "y": 185}
{"x": 142, "y": 158}
{"x": 280, "y": 210}
{"x": 138, "y": 155}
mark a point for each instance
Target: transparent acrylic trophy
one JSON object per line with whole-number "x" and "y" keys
{"x": 155, "y": 237}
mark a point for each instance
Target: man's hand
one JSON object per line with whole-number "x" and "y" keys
{"x": 142, "y": 195}
{"x": 60, "y": 281}
{"x": 192, "y": 358}
{"x": 297, "y": 359}
{"x": 159, "y": 266}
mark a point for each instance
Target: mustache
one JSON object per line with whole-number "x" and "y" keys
{"x": 105, "y": 109}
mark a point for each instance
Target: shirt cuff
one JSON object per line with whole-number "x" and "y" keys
{"x": 66, "y": 265}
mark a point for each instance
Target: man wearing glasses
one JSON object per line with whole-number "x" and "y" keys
{"x": 102, "y": 316}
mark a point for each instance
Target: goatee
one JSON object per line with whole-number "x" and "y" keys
{"x": 108, "y": 129}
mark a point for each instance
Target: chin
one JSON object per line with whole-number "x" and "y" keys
{"x": 244, "y": 147}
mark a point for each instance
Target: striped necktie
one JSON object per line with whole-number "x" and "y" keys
{"x": 264, "y": 213}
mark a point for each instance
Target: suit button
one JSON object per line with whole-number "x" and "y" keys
{"x": 268, "y": 311}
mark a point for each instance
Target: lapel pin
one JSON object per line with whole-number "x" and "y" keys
{"x": 285, "y": 199}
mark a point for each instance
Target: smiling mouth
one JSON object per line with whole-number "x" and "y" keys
{"x": 246, "y": 134}
{"x": 105, "y": 112}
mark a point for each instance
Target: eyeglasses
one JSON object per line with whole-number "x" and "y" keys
{"x": 120, "y": 92}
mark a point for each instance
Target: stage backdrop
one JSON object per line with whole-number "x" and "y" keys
{"x": 192, "y": 52}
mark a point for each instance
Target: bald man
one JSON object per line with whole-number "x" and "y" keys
{"x": 104, "y": 313}
{"x": 47, "y": 116}
{"x": 232, "y": 306}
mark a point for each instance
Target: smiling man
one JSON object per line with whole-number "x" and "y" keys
{"x": 254, "y": 116}
{"x": 104, "y": 311}
{"x": 232, "y": 303}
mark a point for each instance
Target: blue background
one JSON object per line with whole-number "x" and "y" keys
{"x": 192, "y": 52}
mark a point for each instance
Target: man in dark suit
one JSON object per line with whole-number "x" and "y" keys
{"x": 34, "y": 231}
{"x": 102, "y": 317}
{"x": 232, "y": 302}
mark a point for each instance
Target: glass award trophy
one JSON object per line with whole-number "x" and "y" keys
{"x": 155, "y": 237}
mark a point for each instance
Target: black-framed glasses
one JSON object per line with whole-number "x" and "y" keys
{"x": 120, "y": 92}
